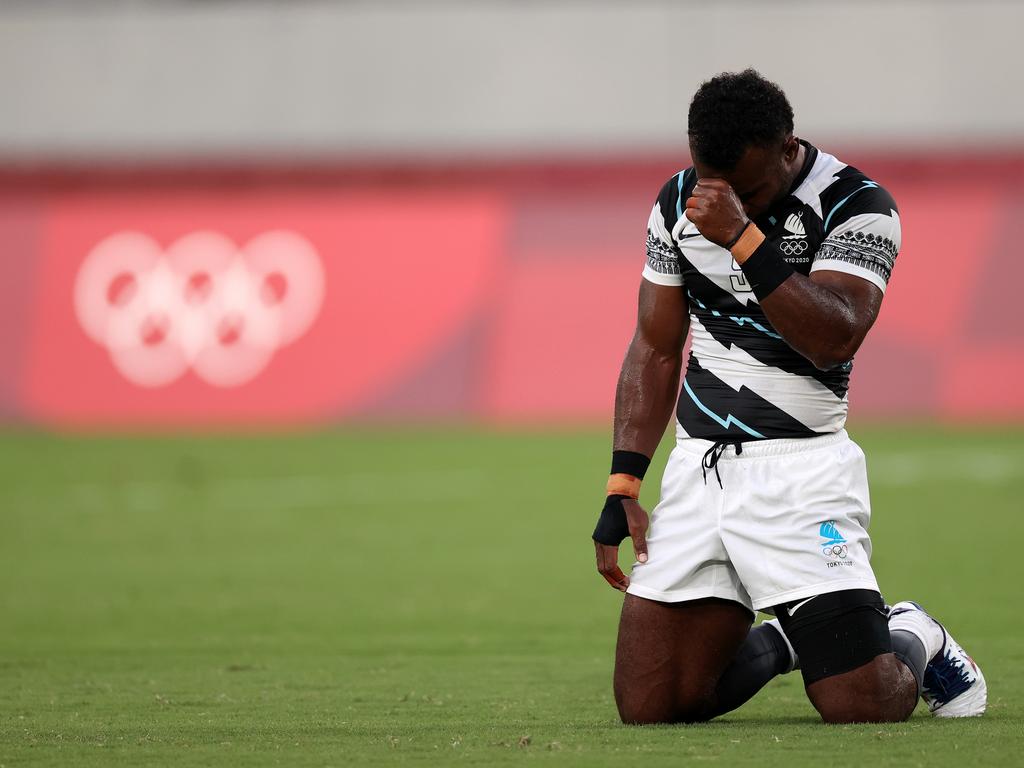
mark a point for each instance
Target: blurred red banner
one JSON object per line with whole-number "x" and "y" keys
{"x": 502, "y": 293}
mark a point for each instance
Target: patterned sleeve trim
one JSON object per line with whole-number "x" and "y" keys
{"x": 865, "y": 245}
{"x": 866, "y": 250}
{"x": 662, "y": 266}
{"x": 661, "y": 257}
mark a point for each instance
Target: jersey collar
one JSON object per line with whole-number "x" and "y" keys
{"x": 810, "y": 156}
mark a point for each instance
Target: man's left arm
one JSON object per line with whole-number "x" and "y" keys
{"x": 824, "y": 316}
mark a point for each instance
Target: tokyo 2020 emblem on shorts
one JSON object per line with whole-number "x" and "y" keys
{"x": 203, "y": 304}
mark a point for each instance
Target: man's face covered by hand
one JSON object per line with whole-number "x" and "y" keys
{"x": 761, "y": 177}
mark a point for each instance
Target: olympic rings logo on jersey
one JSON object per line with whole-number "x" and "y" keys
{"x": 204, "y": 304}
{"x": 793, "y": 247}
{"x": 836, "y": 550}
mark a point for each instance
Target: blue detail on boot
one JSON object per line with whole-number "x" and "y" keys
{"x": 946, "y": 678}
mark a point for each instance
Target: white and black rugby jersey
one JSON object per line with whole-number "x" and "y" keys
{"x": 743, "y": 381}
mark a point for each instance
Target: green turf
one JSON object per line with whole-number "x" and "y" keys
{"x": 376, "y": 597}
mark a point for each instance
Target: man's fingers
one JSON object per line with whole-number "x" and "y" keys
{"x": 608, "y": 566}
{"x": 709, "y": 184}
{"x": 639, "y": 543}
{"x": 698, "y": 203}
{"x": 637, "y": 520}
{"x": 707, "y": 190}
{"x": 617, "y": 579}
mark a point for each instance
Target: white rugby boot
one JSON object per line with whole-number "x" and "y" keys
{"x": 953, "y": 684}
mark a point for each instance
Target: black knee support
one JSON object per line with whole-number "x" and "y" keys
{"x": 836, "y": 632}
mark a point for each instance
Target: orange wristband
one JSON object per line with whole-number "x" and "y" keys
{"x": 623, "y": 484}
{"x": 747, "y": 244}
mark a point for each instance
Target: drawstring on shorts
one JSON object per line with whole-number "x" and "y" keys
{"x": 713, "y": 454}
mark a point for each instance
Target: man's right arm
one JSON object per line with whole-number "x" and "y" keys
{"x": 644, "y": 401}
{"x": 649, "y": 380}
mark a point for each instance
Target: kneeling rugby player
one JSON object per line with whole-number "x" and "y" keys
{"x": 774, "y": 256}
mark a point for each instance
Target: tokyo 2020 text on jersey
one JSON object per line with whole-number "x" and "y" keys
{"x": 743, "y": 381}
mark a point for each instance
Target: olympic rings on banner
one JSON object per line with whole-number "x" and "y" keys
{"x": 202, "y": 305}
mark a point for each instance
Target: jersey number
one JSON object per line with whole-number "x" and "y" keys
{"x": 739, "y": 282}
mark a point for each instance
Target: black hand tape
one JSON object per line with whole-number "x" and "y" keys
{"x": 612, "y": 527}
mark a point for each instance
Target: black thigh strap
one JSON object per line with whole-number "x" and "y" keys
{"x": 836, "y": 632}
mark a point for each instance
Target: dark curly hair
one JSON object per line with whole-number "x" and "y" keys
{"x": 735, "y": 110}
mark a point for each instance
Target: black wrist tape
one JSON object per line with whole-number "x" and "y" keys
{"x": 766, "y": 270}
{"x": 629, "y": 463}
{"x": 612, "y": 527}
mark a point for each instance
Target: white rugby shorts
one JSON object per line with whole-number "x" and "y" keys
{"x": 790, "y": 522}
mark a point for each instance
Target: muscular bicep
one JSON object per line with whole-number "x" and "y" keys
{"x": 663, "y": 318}
{"x": 861, "y": 298}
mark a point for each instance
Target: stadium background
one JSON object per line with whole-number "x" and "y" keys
{"x": 473, "y": 180}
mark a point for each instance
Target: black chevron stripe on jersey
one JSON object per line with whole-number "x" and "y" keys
{"x": 853, "y": 194}
{"x": 766, "y": 347}
{"x": 747, "y": 328}
{"x": 712, "y": 409}
{"x": 672, "y": 199}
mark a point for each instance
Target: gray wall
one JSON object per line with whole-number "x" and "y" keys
{"x": 133, "y": 78}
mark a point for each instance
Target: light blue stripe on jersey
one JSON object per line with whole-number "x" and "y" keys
{"x": 738, "y": 320}
{"x": 729, "y": 419}
{"x": 841, "y": 203}
{"x": 679, "y": 201}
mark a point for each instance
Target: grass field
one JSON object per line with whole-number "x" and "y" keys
{"x": 381, "y": 597}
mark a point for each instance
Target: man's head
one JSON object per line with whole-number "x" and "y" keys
{"x": 741, "y": 130}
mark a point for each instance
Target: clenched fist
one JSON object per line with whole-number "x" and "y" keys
{"x": 716, "y": 211}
